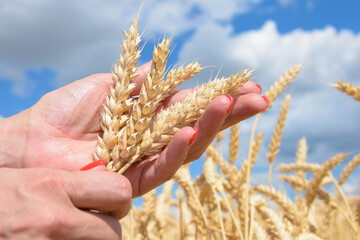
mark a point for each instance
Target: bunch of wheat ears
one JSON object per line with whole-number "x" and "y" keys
{"x": 217, "y": 205}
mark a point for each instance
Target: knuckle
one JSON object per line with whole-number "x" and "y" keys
{"x": 123, "y": 187}
{"x": 196, "y": 156}
{"x": 169, "y": 176}
{"x": 42, "y": 222}
{"x": 52, "y": 222}
{"x": 45, "y": 179}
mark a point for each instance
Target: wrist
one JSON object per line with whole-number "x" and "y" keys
{"x": 13, "y": 137}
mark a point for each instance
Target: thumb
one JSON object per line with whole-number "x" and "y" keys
{"x": 100, "y": 190}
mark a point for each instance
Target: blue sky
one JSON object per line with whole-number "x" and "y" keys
{"x": 47, "y": 44}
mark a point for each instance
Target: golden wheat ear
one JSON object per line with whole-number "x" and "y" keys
{"x": 118, "y": 101}
{"x": 348, "y": 88}
{"x": 280, "y": 85}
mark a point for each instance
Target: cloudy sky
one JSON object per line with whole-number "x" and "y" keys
{"x": 47, "y": 44}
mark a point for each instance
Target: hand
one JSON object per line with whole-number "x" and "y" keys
{"x": 60, "y": 130}
{"x": 41, "y": 203}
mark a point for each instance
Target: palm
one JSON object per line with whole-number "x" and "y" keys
{"x": 65, "y": 123}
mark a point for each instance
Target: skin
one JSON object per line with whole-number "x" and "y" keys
{"x": 45, "y": 146}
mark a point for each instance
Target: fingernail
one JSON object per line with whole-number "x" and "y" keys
{"x": 193, "y": 137}
{"x": 267, "y": 102}
{"x": 93, "y": 164}
{"x": 259, "y": 87}
{"x": 231, "y": 104}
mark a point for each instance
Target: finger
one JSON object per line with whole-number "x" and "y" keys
{"x": 208, "y": 125}
{"x": 91, "y": 225}
{"x": 100, "y": 190}
{"x": 249, "y": 87}
{"x": 122, "y": 211}
{"x": 245, "y": 106}
{"x": 148, "y": 174}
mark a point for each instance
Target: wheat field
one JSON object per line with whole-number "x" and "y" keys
{"x": 220, "y": 203}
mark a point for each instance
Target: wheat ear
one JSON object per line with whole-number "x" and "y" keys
{"x": 293, "y": 167}
{"x": 260, "y": 232}
{"x": 249, "y": 163}
{"x": 118, "y": 102}
{"x": 211, "y": 177}
{"x": 296, "y": 182}
{"x": 183, "y": 178}
{"x": 276, "y": 137}
{"x": 277, "y": 229}
{"x": 234, "y": 144}
{"x": 349, "y": 89}
{"x": 162, "y": 207}
{"x": 151, "y": 94}
{"x": 349, "y": 169}
{"x": 176, "y": 77}
{"x": 301, "y": 155}
{"x": 280, "y": 85}
{"x": 308, "y": 236}
{"x": 230, "y": 172}
{"x": 315, "y": 182}
{"x": 282, "y": 200}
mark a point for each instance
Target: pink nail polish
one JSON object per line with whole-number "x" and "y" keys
{"x": 267, "y": 102}
{"x": 193, "y": 137}
{"x": 258, "y": 85}
{"x": 93, "y": 165}
{"x": 231, "y": 104}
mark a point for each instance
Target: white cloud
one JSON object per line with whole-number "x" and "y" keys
{"x": 79, "y": 38}
{"x": 325, "y": 116}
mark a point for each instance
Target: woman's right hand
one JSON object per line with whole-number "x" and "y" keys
{"x": 39, "y": 203}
